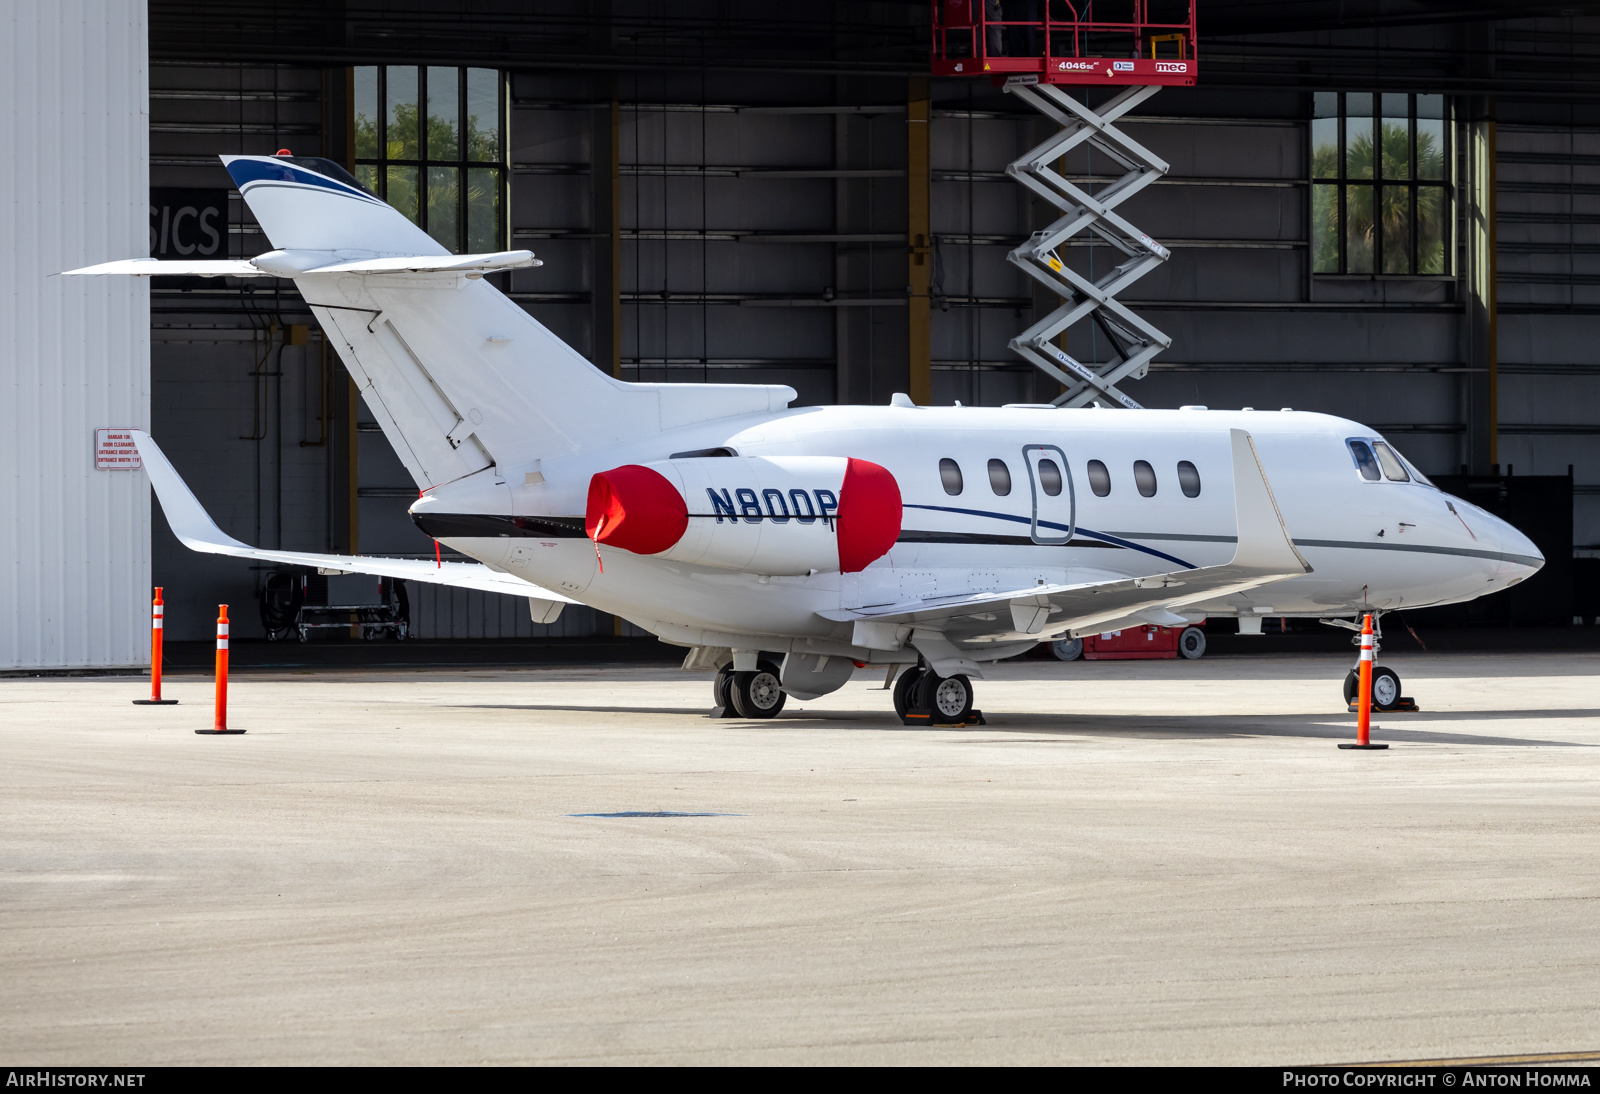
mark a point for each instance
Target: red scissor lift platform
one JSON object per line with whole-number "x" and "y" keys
{"x": 1105, "y": 42}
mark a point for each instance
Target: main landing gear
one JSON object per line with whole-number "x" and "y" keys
{"x": 923, "y": 697}
{"x": 757, "y": 694}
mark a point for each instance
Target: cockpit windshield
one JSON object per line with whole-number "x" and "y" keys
{"x": 1377, "y": 460}
{"x": 1366, "y": 463}
{"x": 1416, "y": 475}
{"x": 1393, "y": 469}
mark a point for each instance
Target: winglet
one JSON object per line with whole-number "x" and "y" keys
{"x": 188, "y": 518}
{"x": 1264, "y": 542}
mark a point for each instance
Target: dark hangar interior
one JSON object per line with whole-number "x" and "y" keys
{"x": 726, "y": 190}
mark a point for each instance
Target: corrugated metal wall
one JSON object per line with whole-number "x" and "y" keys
{"x": 75, "y": 353}
{"x": 1547, "y": 212}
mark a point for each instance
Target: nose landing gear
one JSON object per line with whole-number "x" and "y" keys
{"x": 1385, "y": 689}
{"x": 1385, "y": 681}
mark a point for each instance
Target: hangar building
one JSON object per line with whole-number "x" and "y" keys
{"x": 740, "y": 191}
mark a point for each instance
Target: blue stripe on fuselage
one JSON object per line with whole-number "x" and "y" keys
{"x": 1081, "y": 530}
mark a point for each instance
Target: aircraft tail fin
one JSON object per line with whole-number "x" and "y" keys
{"x": 459, "y": 377}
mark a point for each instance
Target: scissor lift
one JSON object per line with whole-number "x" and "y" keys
{"x": 1030, "y": 48}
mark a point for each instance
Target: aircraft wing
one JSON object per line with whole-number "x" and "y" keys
{"x": 1264, "y": 553}
{"x": 198, "y": 532}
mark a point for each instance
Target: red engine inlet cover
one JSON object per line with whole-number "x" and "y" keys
{"x": 635, "y": 508}
{"x": 869, "y": 515}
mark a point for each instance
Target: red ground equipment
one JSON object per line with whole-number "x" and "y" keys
{"x": 1146, "y": 643}
{"x": 1103, "y": 42}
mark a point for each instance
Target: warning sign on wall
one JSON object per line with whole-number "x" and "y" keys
{"x": 114, "y": 450}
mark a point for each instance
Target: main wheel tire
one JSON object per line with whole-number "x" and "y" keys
{"x": 904, "y": 689}
{"x": 722, "y": 694}
{"x": 758, "y": 694}
{"x": 1192, "y": 643}
{"x": 1385, "y": 687}
{"x": 1067, "y": 649}
{"x": 947, "y": 698}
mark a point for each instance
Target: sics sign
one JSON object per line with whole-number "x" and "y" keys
{"x": 187, "y": 223}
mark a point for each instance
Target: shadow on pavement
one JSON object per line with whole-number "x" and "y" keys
{"x": 1337, "y": 726}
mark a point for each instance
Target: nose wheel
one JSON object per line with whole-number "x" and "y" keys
{"x": 1385, "y": 688}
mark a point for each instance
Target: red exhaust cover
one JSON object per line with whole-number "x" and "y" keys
{"x": 637, "y": 509}
{"x": 869, "y": 515}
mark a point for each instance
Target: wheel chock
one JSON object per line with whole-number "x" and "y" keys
{"x": 1404, "y": 705}
{"x": 975, "y": 718}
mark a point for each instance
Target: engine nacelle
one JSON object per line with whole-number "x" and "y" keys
{"x": 779, "y": 515}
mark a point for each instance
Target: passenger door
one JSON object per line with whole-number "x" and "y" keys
{"x": 1054, "y": 504}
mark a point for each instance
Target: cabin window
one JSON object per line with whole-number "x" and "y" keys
{"x": 1366, "y": 462}
{"x": 1099, "y": 479}
{"x": 1188, "y": 479}
{"x": 1144, "y": 477}
{"x": 1393, "y": 469}
{"x": 950, "y": 475}
{"x": 1049, "y": 477}
{"x": 999, "y": 478}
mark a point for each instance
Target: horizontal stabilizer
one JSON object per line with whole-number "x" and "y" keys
{"x": 294, "y": 263}
{"x": 198, "y": 532}
{"x": 155, "y": 267}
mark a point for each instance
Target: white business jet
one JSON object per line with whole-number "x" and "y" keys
{"x": 787, "y": 547}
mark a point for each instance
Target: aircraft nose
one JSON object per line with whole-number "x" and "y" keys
{"x": 1519, "y": 558}
{"x": 1525, "y": 555}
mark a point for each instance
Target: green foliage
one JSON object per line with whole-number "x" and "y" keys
{"x": 401, "y": 184}
{"x": 1390, "y": 214}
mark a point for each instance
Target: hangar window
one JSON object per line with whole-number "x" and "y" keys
{"x": 431, "y": 142}
{"x": 1188, "y": 479}
{"x": 1366, "y": 462}
{"x": 950, "y": 475}
{"x": 1099, "y": 479}
{"x": 1380, "y": 189}
{"x": 999, "y": 478}
{"x": 1144, "y": 477}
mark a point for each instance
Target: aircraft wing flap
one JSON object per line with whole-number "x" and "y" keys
{"x": 198, "y": 532}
